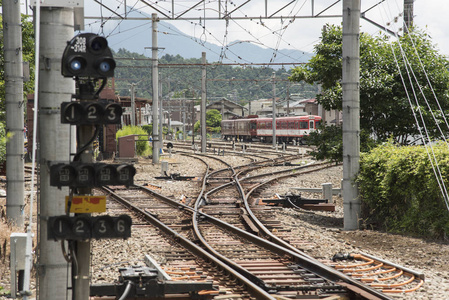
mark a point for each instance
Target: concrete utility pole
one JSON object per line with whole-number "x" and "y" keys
{"x": 155, "y": 74}
{"x": 14, "y": 103}
{"x": 133, "y": 104}
{"x": 408, "y": 15}
{"x": 203, "y": 103}
{"x": 351, "y": 112}
{"x": 274, "y": 110}
{"x": 161, "y": 113}
{"x": 56, "y": 28}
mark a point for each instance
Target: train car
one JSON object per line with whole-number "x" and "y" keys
{"x": 227, "y": 129}
{"x": 243, "y": 129}
{"x": 288, "y": 129}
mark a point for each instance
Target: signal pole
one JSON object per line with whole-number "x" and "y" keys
{"x": 351, "y": 113}
{"x": 56, "y": 28}
{"x": 81, "y": 275}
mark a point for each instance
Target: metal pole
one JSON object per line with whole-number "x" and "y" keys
{"x": 56, "y": 28}
{"x": 351, "y": 112}
{"x": 133, "y": 104}
{"x": 14, "y": 112}
{"x": 222, "y": 109}
{"x": 155, "y": 74}
{"x": 169, "y": 108}
{"x": 274, "y": 110}
{"x": 161, "y": 114}
{"x": 203, "y": 103}
{"x": 183, "y": 119}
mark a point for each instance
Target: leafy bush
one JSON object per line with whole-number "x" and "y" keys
{"x": 142, "y": 145}
{"x": 148, "y": 129}
{"x": 400, "y": 192}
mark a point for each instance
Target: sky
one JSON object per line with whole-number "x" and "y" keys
{"x": 302, "y": 34}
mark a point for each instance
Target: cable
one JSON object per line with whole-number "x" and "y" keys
{"x": 64, "y": 252}
{"x": 83, "y": 148}
{"x": 103, "y": 84}
{"x": 127, "y": 290}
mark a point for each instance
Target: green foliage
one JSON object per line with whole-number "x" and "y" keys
{"x": 142, "y": 145}
{"x": 328, "y": 142}
{"x": 213, "y": 122}
{"x": 148, "y": 129}
{"x": 385, "y": 111}
{"x": 399, "y": 190}
{"x": 213, "y": 118}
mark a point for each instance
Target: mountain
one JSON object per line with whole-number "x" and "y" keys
{"x": 135, "y": 36}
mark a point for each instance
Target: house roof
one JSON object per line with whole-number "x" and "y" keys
{"x": 313, "y": 100}
{"x": 217, "y": 104}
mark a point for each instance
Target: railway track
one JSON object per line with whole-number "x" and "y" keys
{"x": 237, "y": 233}
{"x": 216, "y": 146}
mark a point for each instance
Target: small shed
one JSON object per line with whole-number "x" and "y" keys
{"x": 127, "y": 146}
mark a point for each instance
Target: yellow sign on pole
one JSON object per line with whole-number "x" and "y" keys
{"x": 86, "y": 204}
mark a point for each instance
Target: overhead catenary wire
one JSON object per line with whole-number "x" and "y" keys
{"x": 201, "y": 41}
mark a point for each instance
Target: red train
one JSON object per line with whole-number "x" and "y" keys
{"x": 255, "y": 128}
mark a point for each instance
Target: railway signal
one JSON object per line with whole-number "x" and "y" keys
{"x": 88, "y": 55}
{"x": 77, "y": 174}
{"x": 84, "y": 227}
{"x": 88, "y": 60}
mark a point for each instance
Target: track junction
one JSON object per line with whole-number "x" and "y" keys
{"x": 226, "y": 237}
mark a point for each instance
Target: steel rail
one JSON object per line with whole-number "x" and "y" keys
{"x": 304, "y": 261}
{"x": 252, "y": 288}
{"x": 324, "y": 271}
{"x": 350, "y": 283}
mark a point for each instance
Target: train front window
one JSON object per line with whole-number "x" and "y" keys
{"x": 303, "y": 125}
{"x": 311, "y": 124}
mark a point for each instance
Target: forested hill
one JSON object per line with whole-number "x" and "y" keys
{"x": 235, "y": 83}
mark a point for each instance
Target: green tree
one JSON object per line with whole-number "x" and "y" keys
{"x": 213, "y": 121}
{"x": 384, "y": 104}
